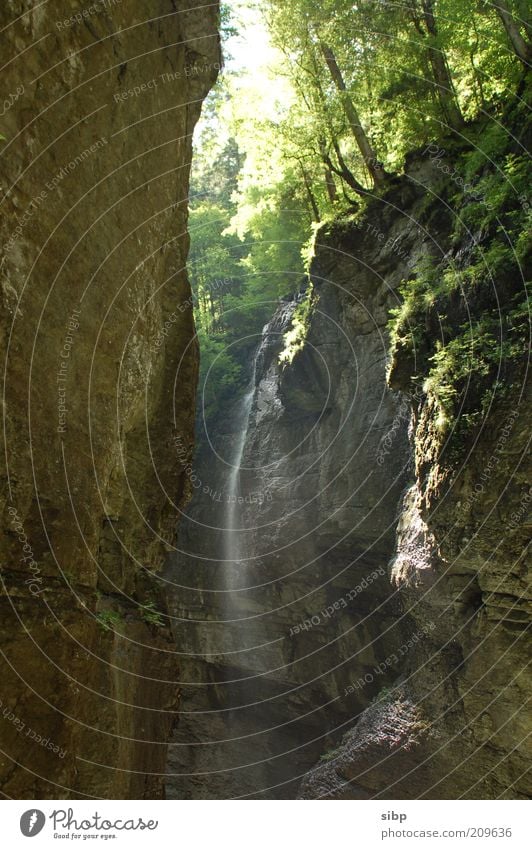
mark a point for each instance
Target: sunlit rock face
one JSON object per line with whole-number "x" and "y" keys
{"x": 314, "y": 616}
{"x": 100, "y": 373}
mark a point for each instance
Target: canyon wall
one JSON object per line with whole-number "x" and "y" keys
{"x": 99, "y": 380}
{"x": 455, "y": 723}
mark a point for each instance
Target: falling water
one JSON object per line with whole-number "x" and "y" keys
{"x": 233, "y": 548}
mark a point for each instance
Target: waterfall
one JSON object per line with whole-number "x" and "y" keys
{"x": 233, "y": 547}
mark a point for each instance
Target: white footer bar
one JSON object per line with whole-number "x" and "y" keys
{"x": 266, "y": 825}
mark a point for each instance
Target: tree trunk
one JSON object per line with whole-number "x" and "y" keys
{"x": 310, "y": 193}
{"x": 520, "y": 46}
{"x": 477, "y": 74}
{"x": 344, "y": 172}
{"x": 330, "y": 185}
{"x": 368, "y": 154}
{"x": 205, "y": 312}
{"x": 440, "y": 69}
{"x": 214, "y": 321}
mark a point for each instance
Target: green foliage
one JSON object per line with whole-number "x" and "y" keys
{"x": 330, "y": 756}
{"x": 294, "y": 340}
{"x": 151, "y": 615}
{"x": 386, "y": 55}
{"x": 110, "y": 620}
{"x": 382, "y": 695}
{"x": 464, "y": 326}
{"x": 299, "y": 162}
{"x": 220, "y": 375}
{"x": 248, "y": 223}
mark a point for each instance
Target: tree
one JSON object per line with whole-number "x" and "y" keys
{"x": 425, "y": 22}
{"x": 521, "y": 47}
{"x": 304, "y": 35}
{"x": 368, "y": 154}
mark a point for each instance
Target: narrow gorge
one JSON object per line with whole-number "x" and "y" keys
{"x": 372, "y": 594}
{"x": 266, "y": 404}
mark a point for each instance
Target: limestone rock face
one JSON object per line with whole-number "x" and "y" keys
{"x": 100, "y": 369}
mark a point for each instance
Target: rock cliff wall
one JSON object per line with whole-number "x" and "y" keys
{"x": 455, "y": 722}
{"x": 99, "y": 378}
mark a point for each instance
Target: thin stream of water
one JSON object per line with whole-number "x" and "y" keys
{"x": 234, "y": 552}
